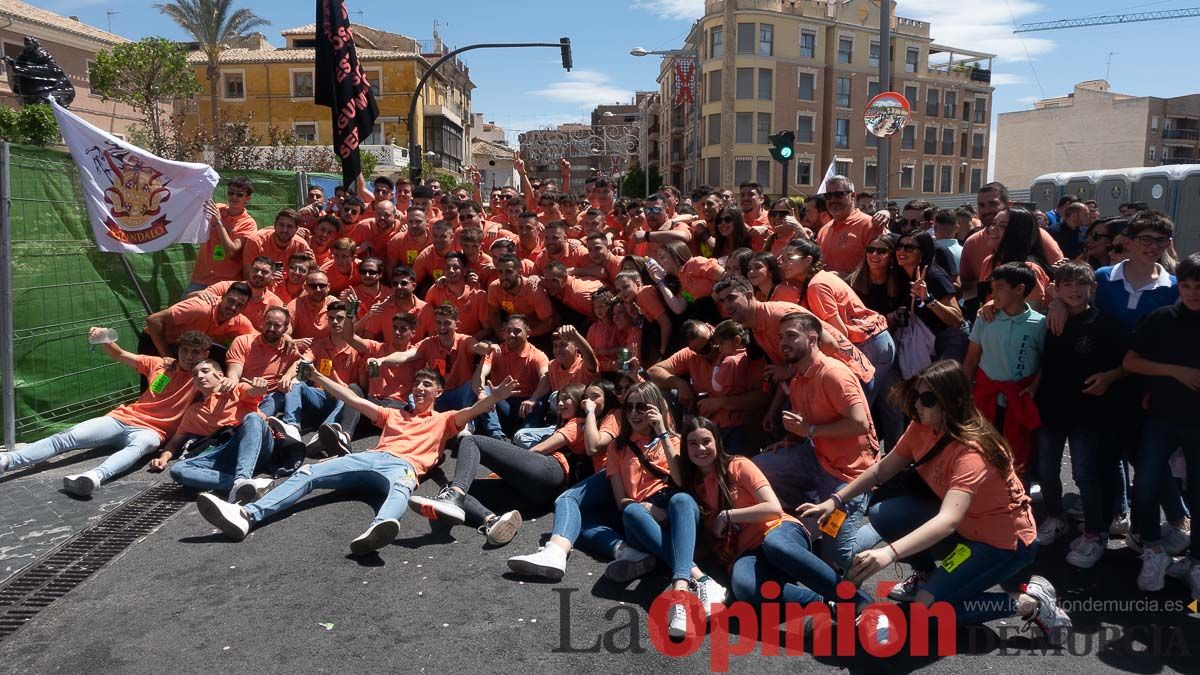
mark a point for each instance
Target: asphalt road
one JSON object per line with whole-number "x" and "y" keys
{"x": 290, "y": 599}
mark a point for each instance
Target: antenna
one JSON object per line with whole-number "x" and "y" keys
{"x": 110, "y": 16}
{"x": 359, "y": 12}
{"x": 1108, "y": 67}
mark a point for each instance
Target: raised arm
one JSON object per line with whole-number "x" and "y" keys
{"x": 345, "y": 395}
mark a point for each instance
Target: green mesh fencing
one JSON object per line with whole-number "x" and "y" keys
{"x": 62, "y": 284}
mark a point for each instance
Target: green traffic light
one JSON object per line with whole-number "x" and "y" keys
{"x": 785, "y": 153}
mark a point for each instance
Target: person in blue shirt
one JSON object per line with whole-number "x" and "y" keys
{"x": 1069, "y": 232}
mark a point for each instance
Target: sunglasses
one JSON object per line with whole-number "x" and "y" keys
{"x": 317, "y": 287}
{"x": 927, "y": 399}
{"x": 778, "y": 214}
{"x": 370, "y": 272}
{"x": 402, "y": 283}
{"x": 911, "y": 248}
{"x": 879, "y": 250}
{"x": 652, "y": 209}
{"x": 235, "y": 193}
{"x": 838, "y": 194}
{"x": 641, "y": 407}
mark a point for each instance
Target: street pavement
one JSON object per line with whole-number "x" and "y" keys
{"x": 290, "y": 599}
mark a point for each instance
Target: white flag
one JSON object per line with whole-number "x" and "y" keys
{"x": 829, "y": 173}
{"x": 137, "y": 202}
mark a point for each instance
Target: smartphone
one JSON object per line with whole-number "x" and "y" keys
{"x": 278, "y": 266}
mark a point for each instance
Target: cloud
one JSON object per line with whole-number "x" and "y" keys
{"x": 672, "y": 9}
{"x": 587, "y": 88}
{"x": 1001, "y": 79}
{"x": 981, "y": 25}
{"x": 1029, "y": 100}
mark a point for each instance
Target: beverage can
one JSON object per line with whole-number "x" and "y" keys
{"x": 623, "y": 359}
{"x": 373, "y": 368}
{"x": 353, "y": 305}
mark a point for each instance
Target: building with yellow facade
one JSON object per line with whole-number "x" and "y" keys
{"x": 275, "y": 86}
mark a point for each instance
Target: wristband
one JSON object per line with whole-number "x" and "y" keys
{"x": 840, "y": 504}
{"x": 895, "y": 555}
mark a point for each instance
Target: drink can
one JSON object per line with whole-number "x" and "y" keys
{"x": 623, "y": 359}
{"x": 373, "y": 368}
{"x": 353, "y": 305}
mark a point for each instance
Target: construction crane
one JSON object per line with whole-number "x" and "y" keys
{"x": 1109, "y": 19}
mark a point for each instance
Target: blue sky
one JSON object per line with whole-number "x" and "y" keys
{"x": 525, "y": 89}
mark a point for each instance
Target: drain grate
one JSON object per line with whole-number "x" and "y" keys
{"x": 81, "y": 556}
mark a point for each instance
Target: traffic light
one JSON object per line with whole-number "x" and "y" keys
{"x": 781, "y": 146}
{"x": 564, "y": 44}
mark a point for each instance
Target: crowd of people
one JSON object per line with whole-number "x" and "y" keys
{"x": 802, "y": 391}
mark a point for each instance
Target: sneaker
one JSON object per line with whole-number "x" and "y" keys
{"x": 377, "y": 536}
{"x": 1085, "y": 553}
{"x": 1154, "y": 569}
{"x": 335, "y": 441}
{"x": 1075, "y": 512}
{"x": 82, "y": 484}
{"x": 501, "y": 530}
{"x": 1048, "y": 618}
{"x": 1180, "y": 568}
{"x": 1051, "y": 528}
{"x": 906, "y": 591}
{"x": 630, "y": 564}
{"x": 1176, "y": 540}
{"x": 677, "y": 626}
{"x": 286, "y": 428}
{"x": 1134, "y": 543}
{"x": 3, "y": 462}
{"x": 709, "y": 592}
{"x": 447, "y": 505}
{"x": 1119, "y": 526}
{"x": 1035, "y": 490}
{"x": 550, "y": 562}
{"x": 225, "y": 516}
{"x": 877, "y": 625}
{"x": 244, "y": 491}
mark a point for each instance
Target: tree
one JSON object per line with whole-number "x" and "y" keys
{"x": 145, "y": 75}
{"x": 29, "y": 124}
{"x": 634, "y": 183}
{"x": 212, "y": 23}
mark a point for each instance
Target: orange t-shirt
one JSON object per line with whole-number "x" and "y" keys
{"x": 744, "y": 480}
{"x": 577, "y": 294}
{"x": 650, "y": 303}
{"x": 210, "y": 414}
{"x": 572, "y": 433}
{"x": 784, "y": 292}
{"x": 529, "y": 254}
{"x": 697, "y": 277}
{"x": 261, "y": 359}
{"x": 764, "y": 327}
{"x": 285, "y": 294}
{"x": 378, "y": 238}
{"x": 529, "y": 300}
{"x": 160, "y": 411}
{"x": 639, "y": 483}
{"x": 419, "y": 438}
{"x": 525, "y": 366}
{"x": 403, "y": 249}
{"x": 213, "y": 262}
{"x": 379, "y": 327}
{"x": 456, "y": 364}
{"x": 822, "y": 394}
{"x": 1037, "y": 296}
{"x": 342, "y": 365}
{"x": 339, "y": 280}
{"x": 698, "y": 371}
{"x": 429, "y": 264}
{"x": 828, "y": 296}
{"x": 1000, "y": 513}
{"x": 367, "y": 297}
{"x": 200, "y": 313}
{"x": 471, "y": 305}
{"x": 395, "y": 380}
{"x": 575, "y": 255}
{"x": 263, "y": 243}
{"x": 575, "y": 373}
{"x": 605, "y": 339}
{"x": 260, "y": 301}
{"x": 978, "y": 247}
{"x": 844, "y": 242}
{"x": 309, "y": 320}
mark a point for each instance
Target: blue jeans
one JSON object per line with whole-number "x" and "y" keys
{"x": 786, "y": 558}
{"x": 373, "y": 471}
{"x": 985, "y": 567}
{"x": 218, "y": 467}
{"x": 304, "y": 396}
{"x": 1152, "y": 476}
{"x": 587, "y": 512}
{"x": 1093, "y": 467}
{"x": 134, "y": 443}
{"x": 531, "y": 436}
{"x": 457, "y": 398}
{"x": 508, "y": 416}
{"x": 881, "y": 352}
{"x": 643, "y": 532}
{"x": 797, "y": 478}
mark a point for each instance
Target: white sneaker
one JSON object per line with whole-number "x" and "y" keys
{"x": 1049, "y": 619}
{"x": 244, "y": 491}
{"x": 225, "y": 516}
{"x": 630, "y": 564}
{"x": 877, "y": 625}
{"x": 82, "y": 484}
{"x": 1119, "y": 526}
{"x": 1085, "y": 553}
{"x": 1176, "y": 540}
{"x": 1051, "y": 528}
{"x": 677, "y": 627}
{"x": 376, "y": 537}
{"x": 285, "y": 428}
{"x": 3, "y": 462}
{"x": 1154, "y": 569}
{"x": 550, "y": 562}
{"x": 710, "y": 593}
{"x": 906, "y": 591}
{"x": 502, "y": 530}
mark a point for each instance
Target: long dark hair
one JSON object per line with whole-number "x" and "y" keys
{"x": 740, "y": 237}
{"x": 860, "y": 279}
{"x": 573, "y": 392}
{"x": 647, "y": 392}
{"x": 962, "y": 420}
{"x": 807, "y": 247}
{"x": 612, "y": 403}
{"x": 772, "y": 264}
{"x": 693, "y": 477}
{"x": 1021, "y": 241}
{"x": 741, "y": 258}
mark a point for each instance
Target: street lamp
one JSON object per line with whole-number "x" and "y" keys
{"x": 643, "y": 140}
{"x": 689, "y": 54}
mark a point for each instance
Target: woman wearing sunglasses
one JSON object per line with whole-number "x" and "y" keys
{"x": 931, "y": 297}
{"x": 785, "y": 225}
{"x": 729, "y": 234}
{"x": 1098, "y": 241}
{"x": 974, "y": 514}
{"x": 690, "y": 279}
{"x": 765, "y": 275}
{"x": 1019, "y": 241}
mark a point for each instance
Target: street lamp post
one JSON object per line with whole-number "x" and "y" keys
{"x": 682, "y": 53}
{"x": 643, "y": 140}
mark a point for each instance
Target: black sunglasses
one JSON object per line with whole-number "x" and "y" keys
{"x": 639, "y": 407}
{"x": 371, "y": 272}
{"x": 927, "y": 399}
{"x": 912, "y": 248}
{"x": 778, "y": 214}
{"x": 838, "y": 194}
{"x": 879, "y": 250}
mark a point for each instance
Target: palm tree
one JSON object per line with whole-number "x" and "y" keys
{"x": 212, "y": 23}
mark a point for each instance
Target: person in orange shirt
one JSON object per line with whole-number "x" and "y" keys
{"x": 571, "y": 297}
{"x": 309, "y": 312}
{"x": 528, "y": 365}
{"x": 453, "y": 289}
{"x": 322, "y": 238}
{"x": 844, "y": 240}
{"x": 262, "y": 271}
{"x": 370, "y": 290}
{"x": 574, "y": 362}
{"x": 404, "y": 248}
{"x": 291, "y": 286}
{"x": 349, "y": 214}
{"x": 602, "y": 264}
{"x": 529, "y": 236}
{"x": 696, "y": 276}
{"x": 422, "y": 198}
{"x": 431, "y": 262}
{"x": 137, "y": 428}
{"x": 750, "y": 200}
{"x": 394, "y": 383}
{"x": 660, "y": 228}
{"x": 222, "y": 321}
{"x": 342, "y": 269}
{"x": 270, "y": 355}
{"x": 373, "y": 199}
{"x": 411, "y": 444}
{"x": 480, "y": 268}
{"x": 378, "y": 320}
{"x": 316, "y": 207}
{"x": 470, "y": 214}
{"x": 220, "y": 256}
{"x": 830, "y": 436}
{"x": 242, "y": 442}
{"x": 557, "y": 248}
{"x": 647, "y": 302}
{"x": 767, "y": 278}
{"x": 512, "y": 293}
{"x": 277, "y": 244}
{"x": 376, "y": 232}
{"x": 404, "y": 195}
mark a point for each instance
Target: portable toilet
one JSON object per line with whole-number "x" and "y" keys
{"x": 1114, "y": 188}
{"x": 1187, "y": 210}
{"x": 1046, "y": 191}
{"x": 1154, "y": 187}
{"x": 1081, "y": 184}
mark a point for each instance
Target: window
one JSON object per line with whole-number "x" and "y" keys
{"x": 966, "y": 111}
{"x": 375, "y": 79}
{"x": 302, "y": 84}
{"x": 1154, "y": 125}
{"x": 1152, "y": 150}
{"x": 714, "y": 129}
{"x": 808, "y": 46}
{"x": 911, "y": 93}
{"x": 804, "y": 172}
{"x": 762, "y": 172}
{"x": 745, "y": 83}
{"x": 927, "y": 178}
{"x": 808, "y": 82}
{"x": 908, "y": 137}
{"x": 741, "y": 170}
{"x": 871, "y": 175}
{"x": 745, "y": 41}
{"x": 713, "y": 171}
{"x": 950, "y": 105}
{"x": 976, "y": 179}
{"x": 766, "y": 39}
{"x": 977, "y": 146}
{"x": 931, "y": 102}
{"x": 841, "y": 134}
{"x": 947, "y": 179}
{"x": 912, "y": 56}
{"x": 841, "y": 167}
{"x": 305, "y": 132}
{"x": 980, "y": 110}
{"x": 716, "y": 47}
{"x": 766, "y": 82}
{"x": 804, "y": 129}
{"x": 376, "y": 137}
{"x": 714, "y": 86}
{"x": 872, "y": 89}
{"x": 744, "y": 128}
{"x": 90, "y": 65}
{"x": 906, "y": 176}
{"x": 930, "y": 140}
{"x": 842, "y": 99}
{"x": 233, "y": 86}
{"x": 764, "y": 128}
{"x": 845, "y": 49}
{"x": 11, "y": 50}
{"x": 873, "y": 54}
{"x": 947, "y": 141}
{"x": 962, "y": 145}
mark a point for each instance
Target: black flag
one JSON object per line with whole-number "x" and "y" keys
{"x": 341, "y": 85}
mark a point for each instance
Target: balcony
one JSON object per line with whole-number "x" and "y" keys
{"x": 387, "y": 155}
{"x": 1181, "y": 135}
{"x": 1167, "y": 161}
